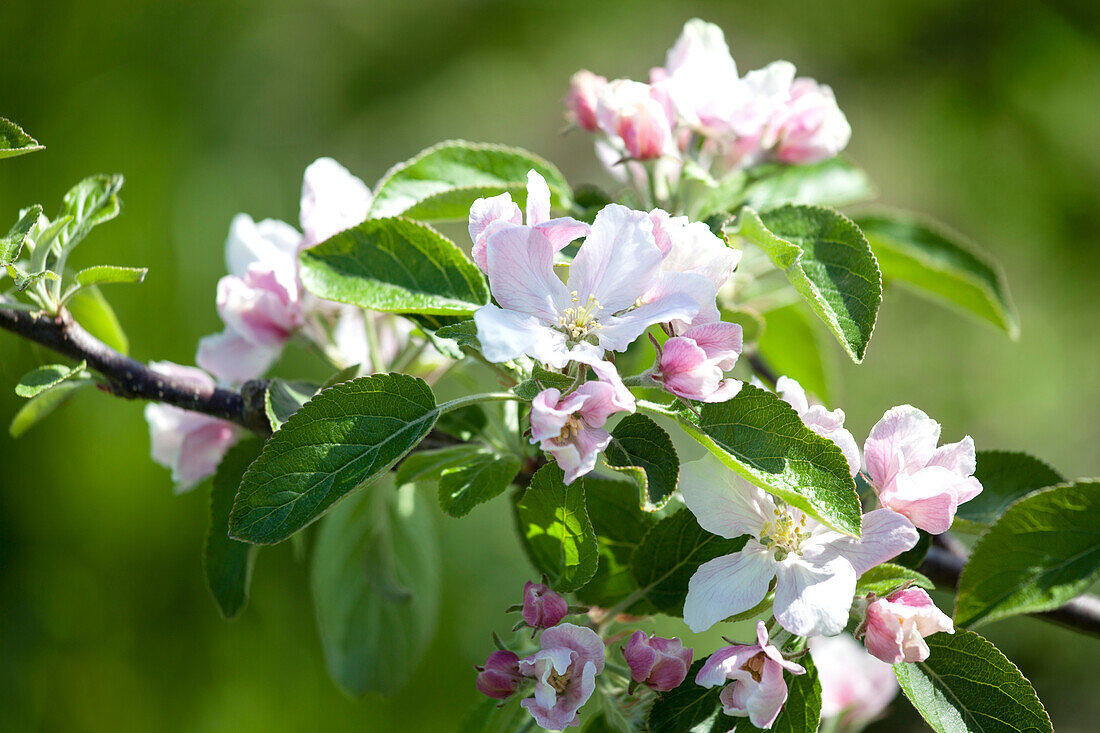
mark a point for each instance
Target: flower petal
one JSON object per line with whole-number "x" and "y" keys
{"x": 724, "y": 504}
{"x": 506, "y": 334}
{"x": 618, "y": 261}
{"x": 233, "y": 358}
{"x": 886, "y": 535}
{"x": 904, "y": 437}
{"x": 814, "y": 598}
{"x": 619, "y": 332}
{"x": 538, "y": 199}
{"x": 332, "y": 200}
{"x": 728, "y": 585}
{"x": 521, "y": 272}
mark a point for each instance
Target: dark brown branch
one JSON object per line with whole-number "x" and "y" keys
{"x": 944, "y": 567}
{"x": 129, "y": 378}
{"x": 762, "y": 369}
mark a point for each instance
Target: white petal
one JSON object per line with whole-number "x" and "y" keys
{"x": 886, "y": 534}
{"x": 270, "y": 242}
{"x": 506, "y": 334}
{"x": 521, "y": 272}
{"x": 332, "y": 200}
{"x": 814, "y": 598}
{"x": 619, "y": 332}
{"x": 538, "y": 199}
{"x": 728, "y": 585}
{"x": 723, "y": 503}
{"x": 618, "y": 261}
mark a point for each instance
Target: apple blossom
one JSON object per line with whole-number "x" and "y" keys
{"x": 571, "y": 428}
{"x": 191, "y": 444}
{"x": 692, "y": 365}
{"x": 332, "y": 200}
{"x": 827, "y": 424}
{"x": 634, "y": 113}
{"x": 855, "y": 687}
{"x": 542, "y": 607}
{"x": 810, "y": 127}
{"x": 595, "y": 310}
{"x": 488, "y": 215}
{"x": 915, "y": 478}
{"x": 580, "y": 102}
{"x": 895, "y": 626}
{"x": 815, "y": 567}
{"x": 499, "y": 677}
{"x": 756, "y": 688}
{"x": 697, "y": 65}
{"x": 659, "y": 663}
{"x": 565, "y": 672}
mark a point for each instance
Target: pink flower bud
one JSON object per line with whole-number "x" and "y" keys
{"x": 660, "y": 663}
{"x": 542, "y": 607}
{"x": 692, "y": 365}
{"x": 580, "y": 102}
{"x": 633, "y": 112}
{"x": 500, "y": 676}
{"x": 895, "y": 626}
{"x": 810, "y": 128}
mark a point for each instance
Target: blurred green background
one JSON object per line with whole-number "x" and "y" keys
{"x": 984, "y": 115}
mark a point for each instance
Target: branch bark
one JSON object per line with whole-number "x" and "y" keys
{"x": 129, "y": 378}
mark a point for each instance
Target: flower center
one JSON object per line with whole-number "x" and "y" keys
{"x": 569, "y": 430}
{"x": 560, "y": 681}
{"x": 578, "y": 321}
{"x": 755, "y": 666}
{"x": 784, "y": 534}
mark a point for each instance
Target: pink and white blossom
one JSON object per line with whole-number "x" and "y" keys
{"x": 895, "y": 626}
{"x": 693, "y": 364}
{"x": 815, "y": 567}
{"x": 571, "y": 429}
{"x": 635, "y": 115}
{"x": 332, "y": 200}
{"x": 659, "y": 663}
{"x": 191, "y": 444}
{"x": 488, "y": 215}
{"x": 499, "y": 677}
{"x": 756, "y": 688}
{"x": 696, "y": 66}
{"x": 596, "y": 309}
{"x": 565, "y": 672}
{"x": 855, "y": 687}
{"x": 580, "y": 103}
{"x": 810, "y": 127}
{"x": 826, "y": 423}
{"x": 915, "y": 478}
{"x": 542, "y": 607}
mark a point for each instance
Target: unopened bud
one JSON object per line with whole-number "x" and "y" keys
{"x": 542, "y": 607}
{"x": 500, "y": 676}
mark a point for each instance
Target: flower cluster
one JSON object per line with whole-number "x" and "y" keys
{"x": 698, "y": 107}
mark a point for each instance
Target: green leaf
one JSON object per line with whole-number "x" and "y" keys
{"x": 792, "y": 346}
{"x": 13, "y": 141}
{"x": 884, "y": 579}
{"x": 92, "y": 311}
{"x": 24, "y": 281}
{"x": 967, "y": 686}
{"x": 441, "y": 183}
{"x": 376, "y": 588}
{"x": 226, "y": 562}
{"x": 464, "y": 423}
{"x": 801, "y": 712}
{"x": 494, "y": 716}
{"x": 1042, "y": 552}
{"x": 11, "y": 244}
{"x": 395, "y": 266}
{"x": 762, "y": 438}
{"x": 828, "y": 261}
{"x": 342, "y": 439}
{"x": 483, "y": 476}
{"x": 938, "y": 262}
{"x": 687, "y": 706}
{"x": 913, "y": 558}
{"x": 541, "y": 379}
{"x": 619, "y": 526}
{"x": 463, "y": 333}
{"x": 556, "y": 532}
{"x": 1005, "y": 477}
{"x": 640, "y": 444}
{"x": 669, "y": 555}
{"x": 42, "y": 405}
{"x": 44, "y": 377}
{"x": 90, "y": 203}
{"x": 834, "y": 182}
{"x": 282, "y": 399}
{"x": 428, "y": 465}
{"x": 109, "y": 274}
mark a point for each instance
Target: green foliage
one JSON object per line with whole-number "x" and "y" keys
{"x": 885, "y": 578}
{"x": 937, "y": 262}
{"x": 282, "y": 399}
{"x": 395, "y": 266}
{"x": 14, "y": 141}
{"x": 1042, "y": 552}
{"x": 833, "y": 182}
{"x": 11, "y": 244}
{"x": 828, "y": 261}
{"x": 791, "y": 345}
{"x": 541, "y": 379}
{"x": 669, "y": 555}
{"x": 967, "y": 686}
{"x": 89, "y": 203}
{"x": 685, "y": 707}
{"x": 46, "y": 377}
{"x": 1005, "y": 477}
{"x": 226, "y": 562}
{"x": 556, "y": 532}
{"x": 41, "y": 405}
{"x": 92, "y": 311}
{"x": 642, "y": 449}
{"x": 468, "y": 475}
{"x": 109, "y": 274}
{"x": 440, "y": 183}
{"x": 619, "y": 527}
{"x": 376, "y": 588}
{"x": 494, "y": 716}
{"x": 342, "y": 439}
{"x": 762, "y": 438}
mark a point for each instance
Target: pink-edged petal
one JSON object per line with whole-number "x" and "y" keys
{"x": 547, "y": 418}
{"x": 771, "y": 693}
{"x": 583, "y": 640}
{"x": 723, "y": 663}
{"x": 727, "y": 390}
{"x": 234, "y": 359}
{"x": 618, "y": 332}
{"x": 957, "y": 457}
{"x": 562, "y": 231}
{"x": 697, "y": 287}
{"x": 792, "y": 393}
{"x": 588, "y": 354}
{"x": 201, "y": 450}
{"x": 521, "y": 273}
{"x": 886, "y": 535}
{"x": 814, "y": 598}
{"x": 694, "y": 248}
{"x": 538, "y": 199}
{"x": 727, "y": 586}
{"x": 721, "y": 342}
{"x": 270, "y": 242}
{"x": 506, "y": 334}
{"x": 600, "y": 403}
{"x": 928, "y": 498}
{"x": 485, "y": 211}
{"x": 904, "y": 437}
{"x": 618, "y": 260}
{"x": 724, "y": 504}
{"x": 332, "y": 200}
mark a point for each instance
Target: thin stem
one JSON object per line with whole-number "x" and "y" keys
{"x": 645, "y": 379}
{"x": 477, "y": 398}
